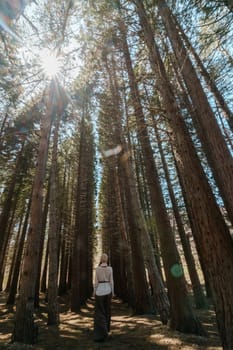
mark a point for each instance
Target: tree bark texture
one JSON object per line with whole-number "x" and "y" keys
{"x": 199, "y": 296}
{"x": 16, "y": 270}
{"x": 53, "y": 314}
{"x": 217, "y": 152}
{"x": 181, "y": 316}
{"x": 24, "y": 322}
{"x": 8, "y": 204}
{"x": 212, "y": 234}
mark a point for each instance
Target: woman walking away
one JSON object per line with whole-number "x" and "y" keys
{"x": 103, "y": 292}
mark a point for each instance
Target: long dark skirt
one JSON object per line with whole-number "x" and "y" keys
{"x": 102, "y": 317}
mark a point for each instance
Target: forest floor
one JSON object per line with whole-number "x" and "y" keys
{"x": 127, "y": 331}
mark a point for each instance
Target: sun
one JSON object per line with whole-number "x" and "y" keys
{"x": 50, "y": 63}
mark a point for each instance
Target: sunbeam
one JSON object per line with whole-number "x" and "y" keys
{"x": 7, "y": 29}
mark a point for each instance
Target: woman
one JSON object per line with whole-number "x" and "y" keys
{"x": 103, "y": 291}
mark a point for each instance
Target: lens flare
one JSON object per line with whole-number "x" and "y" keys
{"x": 177, "y": 270}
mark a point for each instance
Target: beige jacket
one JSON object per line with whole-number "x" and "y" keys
{"x": 103, "y": 284}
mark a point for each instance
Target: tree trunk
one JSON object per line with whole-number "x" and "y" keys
{"x": 125, "y": 291}
{"x": 43, "y": 283}
{"x": 15, "y": 276}
{"x": 193, "y": 228}
{"x": 136, "y": 236}
{"x": 182, "y": 317}
{"x": 8, "y": 204}
{"x": 42, "y": 240}
{"x": 199, "y": 296}
{"x": 212, "y": 234}
{"x": 53, "y": 314}
{"x": 84, "y": 214}
{"x": 16, "y": 247}
{"x": 217, "y": 152}
{"x": 24, "y": 322}
{"x": 209, "y": 81}
{"x": 8, "y": 237}
{"x": 160, "y": 296}
{"x": 66, "y": 232}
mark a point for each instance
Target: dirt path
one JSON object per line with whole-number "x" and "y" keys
{"x": 128, "y": 332}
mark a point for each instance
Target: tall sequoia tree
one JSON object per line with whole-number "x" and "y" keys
{"x": 205, "y": 121}
{"x": 8, "y": 203}
{"x": 182, "y": 316}
{"x": 212, "y": 234}
{"x": 24, "y": 329}
{"x": 159, "y": 295}
{"x": 199, "y": 297}
{"x": 134, "y": 227}
{"x": 81, "y": 265}
{"x": 53, "y": 314}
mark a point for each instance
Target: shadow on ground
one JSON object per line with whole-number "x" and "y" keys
{"x": 127, "y": 331}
